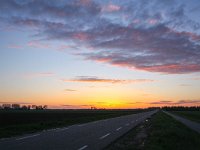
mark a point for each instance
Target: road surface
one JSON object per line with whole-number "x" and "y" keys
{"x": 89, "y": 136}
{"x": 192, "y": 125}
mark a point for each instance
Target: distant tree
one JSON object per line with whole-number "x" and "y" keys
{"x": 6, "y": 106}
{"x": 153, "y": 108}
{"x": 29, "y": 107}
{"x": 45, "y": 107}
{"x": 39, "y": 107}
{"x": 15, "y": 106}
{"x": 33, "y": 106}
{"x": 181, "y": 108}
{"x": 93, "y": 108}
{"x": 24, "y": 107}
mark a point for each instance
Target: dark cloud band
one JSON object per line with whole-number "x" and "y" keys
{"x": 132, "y": 34}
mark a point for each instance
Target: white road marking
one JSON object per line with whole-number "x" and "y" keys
{"x": 118, "y": 128}
{"x": 104, "y": 136}
{"x": 28, "y": 137}
{"x": 85, "y": 146}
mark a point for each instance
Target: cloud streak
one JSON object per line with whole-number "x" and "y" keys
{"x": 180, "y": 102}
{"x": 70, "y": 90}
{"x": 77, "y": 106}
{"x": 91, "y": 79}
{"x": 39, "y": 74}
{"x": 15, "y": 46}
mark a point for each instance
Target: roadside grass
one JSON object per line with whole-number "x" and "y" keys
{"x": 191, "y": 115}
{"x": 169, "y": 134}
{"x": 132, "y": 140}
{"x": 161, "y": 132}
{"x": 18, "y": 122}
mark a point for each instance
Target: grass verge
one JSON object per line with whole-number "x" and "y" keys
{"x": 161, "y": 132}
{"x": 191, "y": 115}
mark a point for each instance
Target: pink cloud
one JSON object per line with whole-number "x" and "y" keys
{"x": 135, "y": 21}
{"x": 81, "y": 36}
{"x": 172, "y": 68}
{"x": 152, "y": 21}
{"x": 85, "y": 2}
{"x": 110, "y": 8}
{"x": 64, "y": 47}
{"x": 37, "y": 44}
{"x": 15, "y": 46}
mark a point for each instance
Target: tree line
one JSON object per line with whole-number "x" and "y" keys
{"x": 22, "y": 107}
{"x": 181, "y": 108}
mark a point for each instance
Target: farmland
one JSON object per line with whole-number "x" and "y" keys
{"x": 17, "y": 122}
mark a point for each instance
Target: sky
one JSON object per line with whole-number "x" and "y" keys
{"x": 99, "y": 53}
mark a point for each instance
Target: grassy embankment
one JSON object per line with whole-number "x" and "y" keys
{"x": 161, "y": 132}
{"x": 17, "y": 122}
{"x": 191, "y": 115}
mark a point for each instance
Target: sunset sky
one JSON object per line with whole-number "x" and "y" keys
{"x": 107, "y": 54}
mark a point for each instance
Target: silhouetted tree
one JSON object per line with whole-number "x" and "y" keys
{"x": 45, "y": 107}
{"x": 15, "y": 106}
{"x": 6, "y": 106}
{"x": 24, "y": 107}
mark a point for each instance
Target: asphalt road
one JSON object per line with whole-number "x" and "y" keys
{"x": 192, "y": 125}
{"x": 89, "y": 136}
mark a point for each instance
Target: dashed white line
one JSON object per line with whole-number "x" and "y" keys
{"x": 118, "y": 128}
{"x": 85, "y": 146}
{"x": 104, "y": 136}
{"x": 28, "y": 137}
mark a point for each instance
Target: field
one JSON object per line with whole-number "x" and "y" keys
{"x": 17, "y": 122}
{"x": 161, "y": 132}
{"x": 191, "y": 115}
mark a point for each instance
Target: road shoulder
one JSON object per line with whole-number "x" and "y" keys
{"x": 191, "y": 124}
